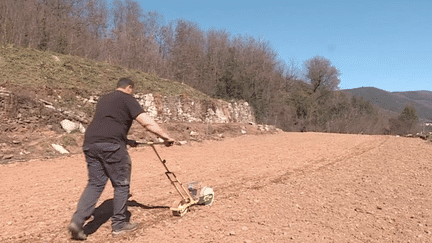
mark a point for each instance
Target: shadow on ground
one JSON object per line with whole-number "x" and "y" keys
{"x": 104, "y": 212}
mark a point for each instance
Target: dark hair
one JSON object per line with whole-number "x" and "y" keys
{"x": 124, "y": 82}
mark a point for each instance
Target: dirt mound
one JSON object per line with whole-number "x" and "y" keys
{"x": 285, "y": 187}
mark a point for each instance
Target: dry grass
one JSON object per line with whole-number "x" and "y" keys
{"x": 53, "y": 74}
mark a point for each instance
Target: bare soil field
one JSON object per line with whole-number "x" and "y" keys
{"x": 283, "y": 187}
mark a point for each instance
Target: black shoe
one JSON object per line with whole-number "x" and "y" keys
{"x": 127, "y": 227}
{"x": 76, "y": 232}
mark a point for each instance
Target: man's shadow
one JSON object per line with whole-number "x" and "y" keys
{"x": 105, "y": 211}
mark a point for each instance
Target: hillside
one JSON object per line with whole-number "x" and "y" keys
{"x": 40, "y": 89}
{"x": 50, "y": 75}
{"x": 396, "y": 101}
{"x": 286, "y": 187}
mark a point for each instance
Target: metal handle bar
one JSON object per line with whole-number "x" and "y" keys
{"x": 151, "y": 144}
{"x": 171, "y": 176}
{"x": 148, "y": 142}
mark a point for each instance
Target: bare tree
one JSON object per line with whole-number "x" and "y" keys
{"x": 259, "y": 72}
{"x": 188, "y": 52}
{"x": 152, "y": 59}
{"x": 16, "y": 27}
{"x": 90, "y": 28}
{"x": 127, "y": 33}
{"x": 217, "y": 59}
{"x": 321, "y": 74}
{"x": 135, "y": 36}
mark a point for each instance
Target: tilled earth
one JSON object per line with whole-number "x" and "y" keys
{"x": 284, "y": 187}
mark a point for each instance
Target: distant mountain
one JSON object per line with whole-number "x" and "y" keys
{"x": 396, "y": 101}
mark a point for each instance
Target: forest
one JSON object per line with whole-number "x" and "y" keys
{"x": 290, "y": 95}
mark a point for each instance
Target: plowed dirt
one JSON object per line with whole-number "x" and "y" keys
{"x": 284, "y": 187}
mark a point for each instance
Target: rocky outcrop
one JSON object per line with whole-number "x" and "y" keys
{"x": 186, "y": 109}
{"x": 25, "y": 110}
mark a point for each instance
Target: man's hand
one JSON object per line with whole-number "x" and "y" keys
{"x": 132, "y": 143}
{"x": 149, "y": 124}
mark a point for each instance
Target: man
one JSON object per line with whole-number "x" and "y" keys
{"x": 107, "y": 158}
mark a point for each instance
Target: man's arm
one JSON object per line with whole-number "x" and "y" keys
{"x": 149, "y": 124}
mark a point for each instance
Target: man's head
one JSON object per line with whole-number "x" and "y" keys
{"x": 125, "y": 85}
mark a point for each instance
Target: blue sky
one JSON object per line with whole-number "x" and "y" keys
{"x": 383, "y": 44}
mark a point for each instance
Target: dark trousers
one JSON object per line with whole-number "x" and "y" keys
{"x": 105, "y": 161}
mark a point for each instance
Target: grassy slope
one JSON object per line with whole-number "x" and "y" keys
{"x": 50, "y": 74}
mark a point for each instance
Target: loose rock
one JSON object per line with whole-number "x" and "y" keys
{"x": 59, "y": 149}
{"x": 7, "y": 156}
{"x": 69, "y": 126}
